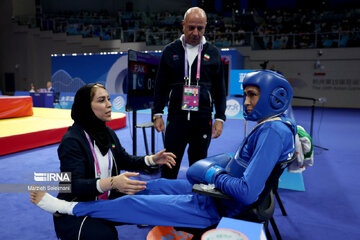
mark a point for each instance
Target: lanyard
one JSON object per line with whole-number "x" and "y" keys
{"x": 198, "y": 64}
{"x": 98, "y": 172}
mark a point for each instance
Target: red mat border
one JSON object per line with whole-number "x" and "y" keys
{"x": 26, "y": 141}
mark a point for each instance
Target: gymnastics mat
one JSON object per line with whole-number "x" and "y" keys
{"x": 13, "y": 106}
{"x": 46, "y": 126}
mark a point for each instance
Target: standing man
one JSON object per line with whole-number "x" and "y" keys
{"x": 190, "y": 78}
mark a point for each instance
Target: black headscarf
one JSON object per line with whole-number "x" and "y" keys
{"x": 82, "y": 114}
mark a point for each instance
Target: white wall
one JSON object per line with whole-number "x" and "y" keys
{"x": 337, "y": 77}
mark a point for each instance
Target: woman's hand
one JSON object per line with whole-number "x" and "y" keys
{"x": 124, "y": 184}
{"x": 163, "y": 157}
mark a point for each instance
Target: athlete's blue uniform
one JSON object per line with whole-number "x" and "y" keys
{"x": 172, "y": 203}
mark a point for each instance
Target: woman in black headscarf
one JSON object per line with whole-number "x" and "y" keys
{"x": 93, "y": 154}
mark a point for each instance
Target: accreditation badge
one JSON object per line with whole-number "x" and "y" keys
{"x": 190, "y": 99}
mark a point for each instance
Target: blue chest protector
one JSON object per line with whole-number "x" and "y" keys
{"x": 270, "y": 142}
{"x": 238, "y": 164}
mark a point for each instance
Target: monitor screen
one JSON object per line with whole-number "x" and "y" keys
{"x": 142, "y": 69}
{"x": 236, "y": 79}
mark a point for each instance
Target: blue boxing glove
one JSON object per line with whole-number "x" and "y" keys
{"x": 204, "y": 171}
{"x": 220, "y": 159}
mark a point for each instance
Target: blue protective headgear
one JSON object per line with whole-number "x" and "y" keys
{"x": 275, "y": 97}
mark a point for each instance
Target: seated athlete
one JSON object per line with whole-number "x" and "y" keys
{"x": 165, "y": 202}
